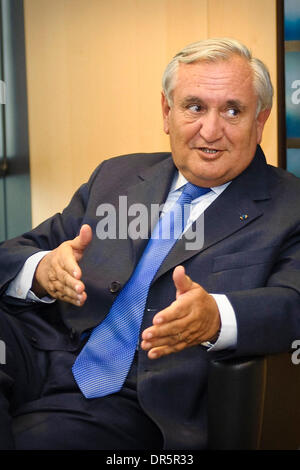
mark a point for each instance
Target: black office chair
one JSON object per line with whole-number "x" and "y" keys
{"x": 254, "y": 404}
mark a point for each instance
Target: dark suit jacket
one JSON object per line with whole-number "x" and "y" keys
{"x": 251, "y": 253}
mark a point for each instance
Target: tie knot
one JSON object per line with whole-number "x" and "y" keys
{"x": 194, "y": 191}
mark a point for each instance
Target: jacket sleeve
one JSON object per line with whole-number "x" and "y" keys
{"x": 268, "y": 317}
{"x": 46, "y": 236}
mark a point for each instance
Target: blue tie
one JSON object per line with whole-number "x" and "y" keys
{"x": 103, "y": 364}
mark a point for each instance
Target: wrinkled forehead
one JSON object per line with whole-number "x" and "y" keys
{"x": 232, "y": 78}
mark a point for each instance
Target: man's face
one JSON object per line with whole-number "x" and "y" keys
{"x": 212, "y": 122}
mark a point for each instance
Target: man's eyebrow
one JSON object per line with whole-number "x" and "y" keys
{"x": 235, "y": 104}
{"x": 191, "y": 99}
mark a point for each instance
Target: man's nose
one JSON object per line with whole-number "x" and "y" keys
{"x": 211, "y": 127}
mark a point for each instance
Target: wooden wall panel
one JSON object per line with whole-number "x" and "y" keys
{"x": 94, "y": 72}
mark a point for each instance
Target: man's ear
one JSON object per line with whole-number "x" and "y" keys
{"x": 260, "y": 123}
{"x": 165, "y": 112}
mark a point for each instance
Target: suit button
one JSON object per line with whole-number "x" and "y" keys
{"x": 114, "y": 287}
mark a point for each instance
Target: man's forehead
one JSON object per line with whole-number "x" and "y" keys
{"x": 217, "y": 70}
{"x": 234, "y": 74}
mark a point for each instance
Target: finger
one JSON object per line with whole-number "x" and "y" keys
{"x": 62, "y": 289}
{"x": 180, "y": 307}
{"x": 85, "y": 235}
{"x": 164, "y": 330}
{"x": 83, "y": 239}
{"x": 157, "y": 342}
{"x": 171, "y": 313}
{"x": 160, "y": 351}
{"x": 78, "y": 302}
{"x": 65, "y": 262}
{"x": 60, "y": 280}
{"x": 171, "y": 340}
{"x": 181, "y": 281}
{"x": 178, "y": 331}
{"x": 61, "y": 292}
{"x": 69, "y": 281}
{"x": 70, "y": 300}
{"x": 166, "y": 345}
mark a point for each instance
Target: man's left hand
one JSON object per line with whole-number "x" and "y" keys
{"x": 190, "y": 320}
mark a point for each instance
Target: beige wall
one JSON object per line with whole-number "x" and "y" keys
{"x": 94, "y": 78}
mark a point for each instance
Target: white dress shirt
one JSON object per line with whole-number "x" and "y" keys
{"x": 20, "y": 286}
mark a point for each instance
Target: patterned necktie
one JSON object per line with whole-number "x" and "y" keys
{"x": 103, "y": 364}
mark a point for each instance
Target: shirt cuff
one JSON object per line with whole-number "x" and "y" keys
{"x": 19, "y": 287}
{"x": 227, "y": 338}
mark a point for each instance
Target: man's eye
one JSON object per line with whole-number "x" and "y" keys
{"x": 232, "y": 112}
{"x": 195, "y": 108}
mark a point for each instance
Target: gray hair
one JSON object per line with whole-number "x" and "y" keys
{"x": 214, "y": 50}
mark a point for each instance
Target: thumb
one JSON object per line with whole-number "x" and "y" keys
{"x": 182, "y": 282}
{"x": 83, "y": 239}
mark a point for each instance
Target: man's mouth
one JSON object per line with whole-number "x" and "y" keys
{"x": 206, "y": 150}
{"x": 209, "y": 151}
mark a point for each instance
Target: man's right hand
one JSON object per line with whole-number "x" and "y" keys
{"x": 58, "y": 273}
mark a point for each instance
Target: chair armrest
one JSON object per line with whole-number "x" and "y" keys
{"x": 236, "y": 390}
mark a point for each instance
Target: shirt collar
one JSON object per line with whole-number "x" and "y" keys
{"x": 179, "y": 181}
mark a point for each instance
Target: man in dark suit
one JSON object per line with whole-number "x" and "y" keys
{"x": 234, "y": 293}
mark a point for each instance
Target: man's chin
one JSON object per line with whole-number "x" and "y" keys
{"x": 206, "y": 179}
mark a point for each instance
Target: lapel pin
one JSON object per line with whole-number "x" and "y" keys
{"x": 244, "y": 217}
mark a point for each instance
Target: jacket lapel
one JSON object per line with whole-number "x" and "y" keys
{"x": 151, "y": 191}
